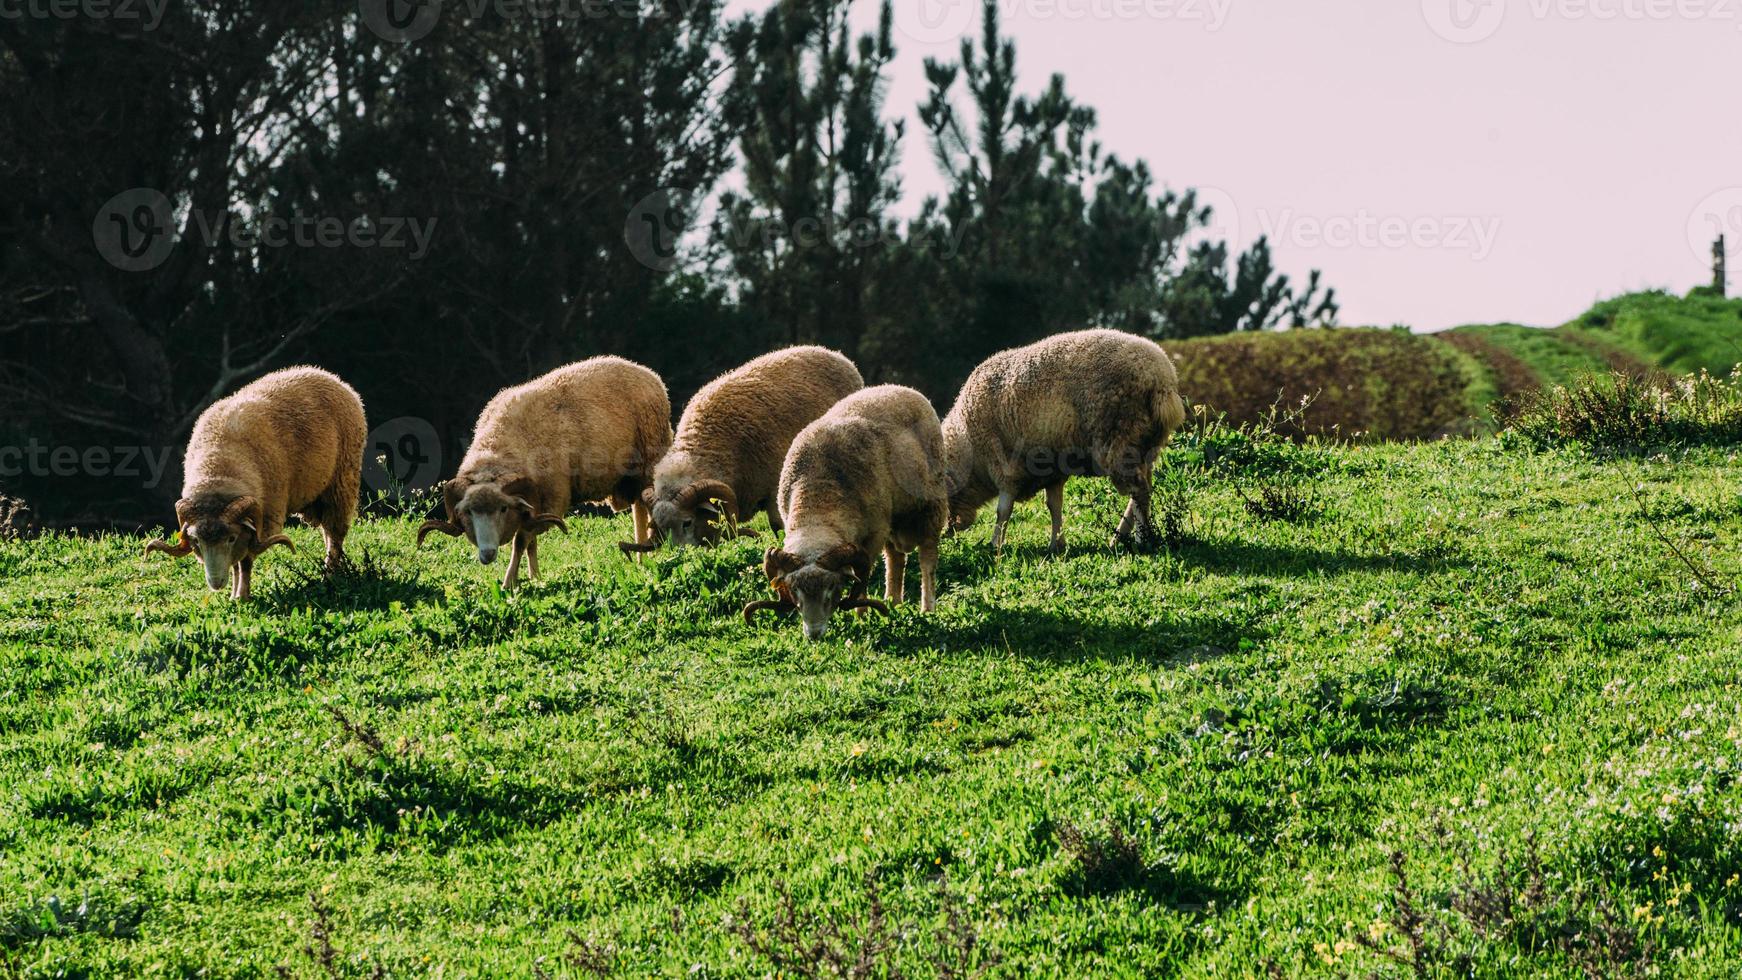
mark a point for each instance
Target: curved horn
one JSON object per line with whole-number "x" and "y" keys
{"x": 777, "y": 563}
{"x": 275, "y": 541}
{"x": 448, "y": 528}
{"x": 838, "y": 557}
{"x": 863, "y": 603}
{"x": 777, "y": 605}
{"x": 849, "y": 558}
{"x": 540, "y": 523}
{"x": 181, "y": 549}
{"x": 704, "y": 490}
{"x": 630, "y": 548}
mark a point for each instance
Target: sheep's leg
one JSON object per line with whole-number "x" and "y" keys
{"x": 517, "y": 551}
{"x": 532, "y": 557}
{"x": 1055, "y": 503}
{"x": 643, "y": 522}
{"x": 895, "y": 572}
{"x": 928, "y": 575}
{"x": 334, "y": 534}
{"x": 1006, "y": 503}
{"x": 244, "y": 584}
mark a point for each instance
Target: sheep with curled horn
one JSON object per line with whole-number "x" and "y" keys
{"x": 1090, "y": 403}
{"x": 590, "y": 431}
{"x": 866, "y": 478}
{"x": 724, "y": 464}
{"x": 290, "y": 442}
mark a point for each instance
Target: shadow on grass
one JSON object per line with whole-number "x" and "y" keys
{"x": 364, "y": 584}
{"x": 1058, "y": 634}
{"x": 974, "y": 564}
{"x": 1237, "y": 558}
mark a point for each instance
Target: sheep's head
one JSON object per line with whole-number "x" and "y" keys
{"x": 696, "y": 515}
{"x": 222, "y": 533}
{"x": 969, "y": 489}
{"x": 490, "y": 515}
{"x": 833, "y": 582}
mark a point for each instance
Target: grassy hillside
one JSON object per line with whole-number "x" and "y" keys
{"x": 1685, "y": 336}
{"x": 1637, "y": 334}
{"x": 1456, "y": 681}
{"x": 1388, "y": 384}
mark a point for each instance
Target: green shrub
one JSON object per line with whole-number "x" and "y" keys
{"x": 1623, "y": 412}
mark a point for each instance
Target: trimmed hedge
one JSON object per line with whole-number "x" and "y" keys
{"x": 1359, "y": 383}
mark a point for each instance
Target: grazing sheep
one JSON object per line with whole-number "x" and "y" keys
{"x": 590, "y": 431}
{"x": 733, "y": 438}
{"x": 867, "y": 477}
{"x": 291, "y": 442}
{"x": 1091, "y": 403}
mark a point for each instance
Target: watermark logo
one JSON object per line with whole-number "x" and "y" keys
{"x": 1366, "y": 230}
{"x": 401, "y": 21}
{"x": 935, "y": 21}
{"x": 656, "y": 227}
{"x": 1464, "y": 21}
{"x": 147, "y": 464}
{"x": 1718, "y": 214}
{"x": 1470, "y": 21}
{"x": 1224, "y": 224}
{"x": 135, "y": 231}
{"x": 146, "y": 14}
{"x": 402, "y": 455}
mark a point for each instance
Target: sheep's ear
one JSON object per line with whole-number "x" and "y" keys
{"x": 520, "y": 486}
{"x": 647, "y": 497}
{"x": 710, "y": 507}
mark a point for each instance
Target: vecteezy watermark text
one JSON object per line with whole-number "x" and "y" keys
{"x": 1471, "y": 21}
{"x": 1365, "y": 230}
{"x": 40, "y": 460}
{"x": 136, "y": 231}
{"x": 146, "y": 14}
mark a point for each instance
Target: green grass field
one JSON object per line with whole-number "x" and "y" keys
{"x": 1463, "y": 694}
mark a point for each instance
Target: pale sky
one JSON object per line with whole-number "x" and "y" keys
{"x": 1443, "y": 161}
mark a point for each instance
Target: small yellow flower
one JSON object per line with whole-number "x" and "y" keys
{"x": 858, "y": 749}
{"x": 1548, "y": 749}
{"x": 1732, "y": 882}
{"x": 1657, "y": 852}
{"x": 1643, "y": 911}
{"x": 1376, "y": 929}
